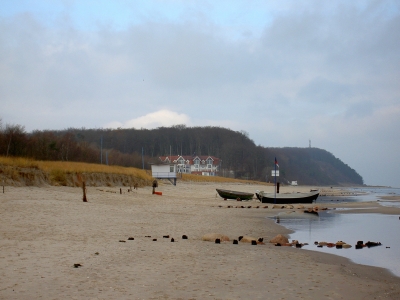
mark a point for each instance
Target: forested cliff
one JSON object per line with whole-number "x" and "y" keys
{"x": 137, "y": 147}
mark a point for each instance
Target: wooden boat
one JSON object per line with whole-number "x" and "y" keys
{"x": 287, "y": 198}
{"x": 226, "y": 194}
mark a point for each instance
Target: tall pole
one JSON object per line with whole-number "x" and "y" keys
{"x": 275, "y": 181}
{"x": 142, "y": 160}
{"x": 101, "y": 150}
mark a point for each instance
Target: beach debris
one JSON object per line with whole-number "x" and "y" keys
{"x": 77, "y": 265}
{"x": 154, "y": 240}
{"x": 250, "y": 239}
{"x": 278, "y": 206}
{"x": 218, "y": 241}
{"x": 280, "y": 239}
{"x": 97, "y": 253}
{"x": 254, "y": 242}
{"x": 235, "y": 242}
{"x": 166, "y": 236}
{"x": 184, "y": 237}
{"x": 122, "y": 241}
{"x": 211, "y": 237}
{"x": 148, "y": 236}
{"x": 172, "y": 240}
{"x": 131, "y": 238}
{"x": 372, "y": 244}
{"x": 338, "y": 245}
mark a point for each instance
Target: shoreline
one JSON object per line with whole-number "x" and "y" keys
{"x": 45, "y": 231}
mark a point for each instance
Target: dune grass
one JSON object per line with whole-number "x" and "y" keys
{"x": 58, "y": 170}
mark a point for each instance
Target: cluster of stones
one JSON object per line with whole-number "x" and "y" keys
{"x": 343, "y": 245}
{"x": 277, "y": 206}
{"x": 184, "y": 237}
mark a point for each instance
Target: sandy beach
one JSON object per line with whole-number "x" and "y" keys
{"x": 55, "y": 246}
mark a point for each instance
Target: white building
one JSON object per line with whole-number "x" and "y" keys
{"x": 198, "y": 164}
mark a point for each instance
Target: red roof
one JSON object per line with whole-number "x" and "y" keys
{"x": 190, "y": 158}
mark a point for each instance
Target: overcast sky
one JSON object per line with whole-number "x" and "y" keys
{"x": 286, "y": 72}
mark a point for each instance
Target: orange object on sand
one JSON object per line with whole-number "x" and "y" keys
{"x": 158, "y": 193}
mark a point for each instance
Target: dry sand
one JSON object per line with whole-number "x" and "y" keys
{"x": 45, "y": 231}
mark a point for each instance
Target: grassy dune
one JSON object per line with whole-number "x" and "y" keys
{"x": 60, "y": 172}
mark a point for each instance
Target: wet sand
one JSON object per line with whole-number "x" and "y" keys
{"x": 45, "y": 231}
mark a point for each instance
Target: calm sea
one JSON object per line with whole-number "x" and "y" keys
{"x": 350, "y": 228}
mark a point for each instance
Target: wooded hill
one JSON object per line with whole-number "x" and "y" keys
{"x": 241, "y": 158}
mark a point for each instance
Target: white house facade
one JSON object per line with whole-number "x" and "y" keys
{"x": 200, "y": 165}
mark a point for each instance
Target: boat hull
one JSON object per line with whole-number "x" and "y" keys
{"x": 226, "y": 194}
{"x": 293, "y": 198}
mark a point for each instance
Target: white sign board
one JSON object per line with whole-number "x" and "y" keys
{"x": 273, "y": 173}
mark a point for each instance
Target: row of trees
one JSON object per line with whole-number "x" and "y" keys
{"x": 51, "y": 145}
{"x": 132, "y": 147}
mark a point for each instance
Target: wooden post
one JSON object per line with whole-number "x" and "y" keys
{"x": 155, "y": 184}
{"x": 3, "y": 186}
{"x": 84, "y": 191}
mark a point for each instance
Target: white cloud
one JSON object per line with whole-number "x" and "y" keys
{"x": 161, "y": 118}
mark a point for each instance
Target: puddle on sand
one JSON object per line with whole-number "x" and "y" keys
{"x": 350, "y": 228}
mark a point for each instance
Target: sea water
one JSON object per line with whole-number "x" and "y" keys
{"x": 329, "y": 226}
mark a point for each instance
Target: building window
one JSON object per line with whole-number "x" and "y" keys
{"x": 171, "y": 168}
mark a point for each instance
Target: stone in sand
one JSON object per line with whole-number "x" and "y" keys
{"x": 247, "y": 239}
{"x": 211, "y": 237}
{"x": 280, "y": 239}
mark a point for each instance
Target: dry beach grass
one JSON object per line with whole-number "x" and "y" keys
{"x": 54, "y": 246}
